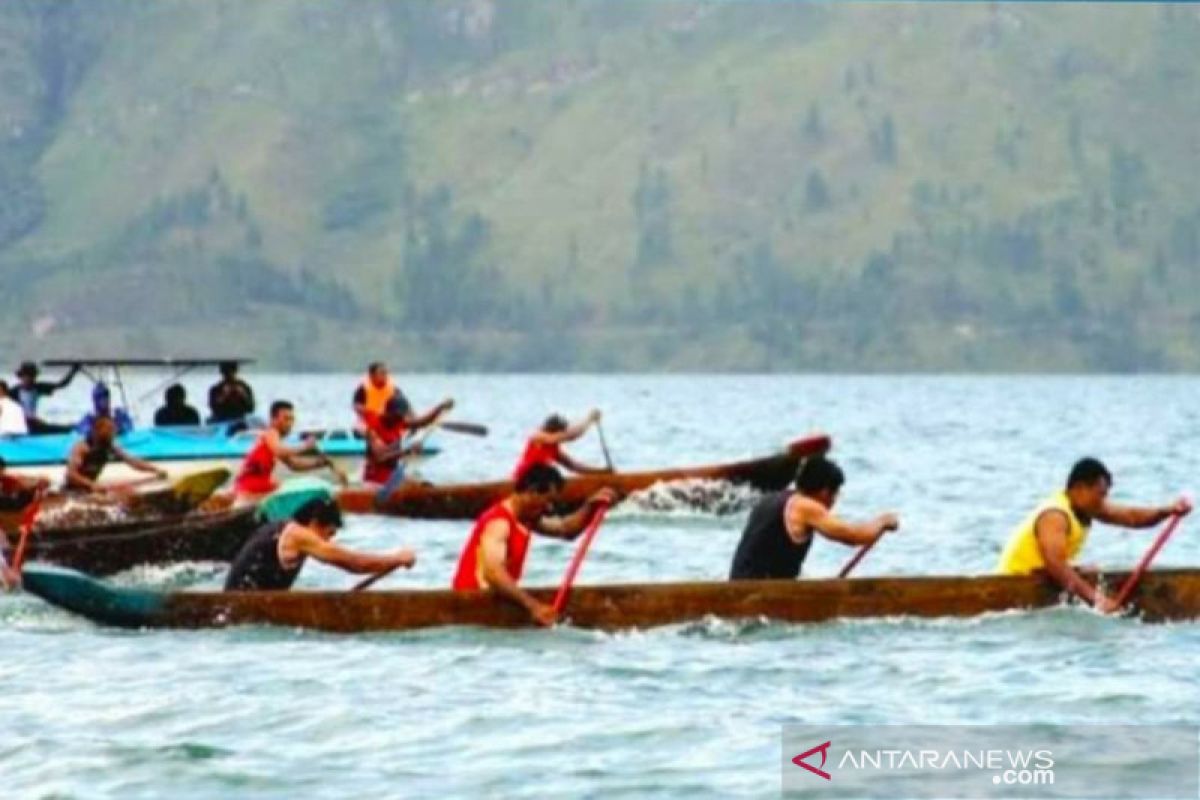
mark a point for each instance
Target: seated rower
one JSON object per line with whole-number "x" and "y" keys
{"x": 256, "y": 477}
{"x": 29, "y": 391}
{"x": 780, "y": 529}
{"x": 175, "y": 410}
{"x": 91, "y": 454}
{"x": 494, "y": 555}
{"x": 1055, "y": 532}
{"x": 272, "y": 558}
{"x": 545, "y": 446}
{"x": 17, "y": 492}
{"x": 102, "y": 408}
{"x": 385, "y": 437}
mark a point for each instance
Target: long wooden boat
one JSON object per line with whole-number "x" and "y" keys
{"x": 467, "y": 501}
{"x": 103, "y": 550}
{"x": 1164, "y": 595}
{"x": 61, "y": 512}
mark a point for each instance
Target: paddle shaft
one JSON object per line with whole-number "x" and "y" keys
{"x": 604, "y": 446}
{"x": 371, "y": 579}
{"x": 560, "y": 599}
{"x": 407, "y": 452}
{"x": 862, "y": 552}
{"x": 1134, "y": 577}
{"x": 27, "y": 521}
{"x": 469, "y": 428}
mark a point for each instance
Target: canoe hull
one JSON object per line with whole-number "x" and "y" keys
{"x": 467, "y": 501}
{"x": 1166, "y": 595}
{"x": 215, "y": 536}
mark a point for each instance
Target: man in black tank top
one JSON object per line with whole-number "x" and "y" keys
{"x": 272, "y": 558}
{"x": 779, "y": 532}
{"x": 93, "y": 452}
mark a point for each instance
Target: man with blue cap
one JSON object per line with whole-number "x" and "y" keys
{"x": 102, "y": 407}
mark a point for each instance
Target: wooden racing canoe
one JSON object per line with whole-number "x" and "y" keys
{"x": 103, "y": 550}
{"x": 61, "y": 511}
{"x": 467, "y": 501}
{"x": 1163, "y": 595}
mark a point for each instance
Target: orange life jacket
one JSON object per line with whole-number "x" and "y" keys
{"x": 468, "y": 577}
{"x": 375, "y": 398}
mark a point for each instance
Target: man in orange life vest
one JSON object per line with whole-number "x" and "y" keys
{"x": 545, "y": 445}
{"x": 494, "y": 555}
{"x": 373, "y": 394}
{"x": 385, "y": 436}
{"x": 256, "y": 477}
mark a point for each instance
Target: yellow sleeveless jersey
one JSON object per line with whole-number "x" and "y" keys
{"x": 1022, "y": 555}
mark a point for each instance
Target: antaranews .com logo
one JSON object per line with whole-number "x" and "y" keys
{"x": 992, "y": 761}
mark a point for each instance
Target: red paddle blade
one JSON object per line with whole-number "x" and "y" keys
{"x": 560, "y": 599}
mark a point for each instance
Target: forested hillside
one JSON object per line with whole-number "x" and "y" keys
{"x": 603, "y": 184}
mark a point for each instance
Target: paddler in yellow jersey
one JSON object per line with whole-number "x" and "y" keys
{"x": 1054, "y": 534}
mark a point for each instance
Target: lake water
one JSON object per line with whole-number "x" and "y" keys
{"x": 687, "y": 711}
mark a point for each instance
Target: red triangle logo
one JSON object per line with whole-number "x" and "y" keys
{"x": 823, "y": 749}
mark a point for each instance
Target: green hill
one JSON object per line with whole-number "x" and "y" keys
{"x": 603, "y": 185}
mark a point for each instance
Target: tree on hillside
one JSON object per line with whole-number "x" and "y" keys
{"x": 652, "y": 214}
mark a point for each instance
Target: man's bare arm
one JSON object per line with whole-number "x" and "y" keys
{"x": 1140, "y": 517}
{"x": 1050, "y": 530}
{"x": 839, "y": 530}
{"x": 347, "y": 559}
{"x": 493, "y": 546}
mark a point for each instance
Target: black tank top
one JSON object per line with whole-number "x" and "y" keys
{"x": 95, "y": 459}
{"x": 765, "y": 550}
{"x": 257, "y": 565}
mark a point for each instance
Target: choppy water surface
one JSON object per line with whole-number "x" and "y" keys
{"x": 685, "y": 711}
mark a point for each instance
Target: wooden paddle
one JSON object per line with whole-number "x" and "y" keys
{"x": 371, "y": 579}
{"x": 604, "y": 446}
{"x": 469, "y": 428}
{"x": 862, "y": 552}
{"x": 409, "y": 452}
{"x": 560, "y": 599}
{"x": 1134, "y": 577}
{"x": 342, "y": 479}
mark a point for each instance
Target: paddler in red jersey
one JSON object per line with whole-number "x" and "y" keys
{"x": 494, "y": 556}
{"x": 256, "y": 477}
{"x": 545, "y": 445}
{"x": 385, "y": 437}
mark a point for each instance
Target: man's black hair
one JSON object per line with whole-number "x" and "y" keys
{"x": 555, "y": 423}
{"x": 374, "y": 367}
{"x": 818, "y": 473}
{"x": 541, "y": 479}
{"x": 175, "y": 392}
{"x": 1087, "y": 471}
{"x": 228, "y": 368}
{"x": 320, "y": 510}
{"x": 281, "y": 405}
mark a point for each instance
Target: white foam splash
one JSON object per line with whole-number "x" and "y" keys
{"x": 170, "y": 576}
{"x": 78, "y": 513}
{"x": 689, "y": 497}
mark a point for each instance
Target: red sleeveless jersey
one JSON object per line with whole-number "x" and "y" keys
{"x": 256, "y": 476}
{"x": 380, "y": 471}
{"x": 535, "y": 453}
{"x": 466, "y": 577}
